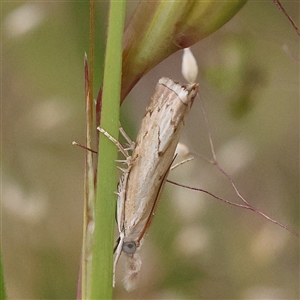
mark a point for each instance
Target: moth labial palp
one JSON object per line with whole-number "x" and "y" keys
{"x": 147, "y": 168}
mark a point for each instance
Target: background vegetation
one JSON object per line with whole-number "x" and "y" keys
{"x": 197, "y": 247}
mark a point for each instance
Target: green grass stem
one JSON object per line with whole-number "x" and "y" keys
{"x": 102, "y": 266}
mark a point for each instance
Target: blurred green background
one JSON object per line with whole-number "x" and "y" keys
{"x": 197, "y": 248}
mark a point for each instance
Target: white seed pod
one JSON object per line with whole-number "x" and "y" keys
{"x": 189, "y": 67}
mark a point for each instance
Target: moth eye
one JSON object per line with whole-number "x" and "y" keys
{"x": 129, "y": 247}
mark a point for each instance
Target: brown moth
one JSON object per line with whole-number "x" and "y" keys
{"x": 148, "y": 167}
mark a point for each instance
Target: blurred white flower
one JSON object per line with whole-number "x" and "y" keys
{"x": 23, "y": 19}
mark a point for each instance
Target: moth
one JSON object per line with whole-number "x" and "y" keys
{"x": 147, "y": 168}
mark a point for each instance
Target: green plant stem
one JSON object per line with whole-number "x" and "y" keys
{"x": 89, "y": 182}
{"x": 102, "y": 266}
{"x": 2, "y": 284}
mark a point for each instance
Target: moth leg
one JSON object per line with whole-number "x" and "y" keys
{"x": 122, "y": 186}
{"x": 183, "y": 151}
{"x": 116, "y": 142}
{"x": 127, "y": 138}
{"x": 182, "y": 162}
